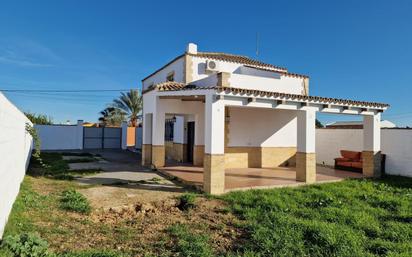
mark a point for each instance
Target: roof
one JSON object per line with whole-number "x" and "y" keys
{"x": 241, "y": 59}
{"x": 384, "y": 124}
{"x": 238, "y": 59}
{"x": 176, "y": 86}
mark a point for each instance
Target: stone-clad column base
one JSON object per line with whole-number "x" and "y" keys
{"x": 371, "y": 163}
{"x": 306, "y": 167}
{"x": 146, "y": 154}
{"x": 214, "y": 173}
{"x": 198, "y": 155}
{"x": 158, "y": 155}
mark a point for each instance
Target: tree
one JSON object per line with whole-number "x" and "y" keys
{"x": 318, "y": 124}
{"x": 39, "y": 119}
{"x": 129, "y": 103}
{"x": 111, "y": 116}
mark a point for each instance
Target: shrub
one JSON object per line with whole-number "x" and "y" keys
{"x": 189, "y": 244}
{"x": 72, "y": 200}
{"x": 187, "y": 201}
{"x": 27, "y": 245}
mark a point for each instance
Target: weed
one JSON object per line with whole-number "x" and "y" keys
{"x": 72, "y": 200}
{"x": 27, "y": 245}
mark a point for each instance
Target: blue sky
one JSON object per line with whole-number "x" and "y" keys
{"x": 350, "y": 49}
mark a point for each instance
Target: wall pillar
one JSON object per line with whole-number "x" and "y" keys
{"x": 147, "y": 139}
{"x": 199, "y": 147}
{"x": 371, "y": 155}
{"x": 124, "y": 135}
{"x": 214, "y": 158}
{"x": 158, "y": 136}
{"x": 306, "y": 153}
{"x": 80, "y": 136}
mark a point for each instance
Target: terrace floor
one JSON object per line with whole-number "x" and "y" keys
{"x": 248, "y": 178}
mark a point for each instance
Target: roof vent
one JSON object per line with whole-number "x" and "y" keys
{"x": 191, "y": 48}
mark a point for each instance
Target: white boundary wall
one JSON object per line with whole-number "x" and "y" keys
{"x": 395, "y": 143}
{"x": 61, "y": 137}
{"x": 15, "y": 152}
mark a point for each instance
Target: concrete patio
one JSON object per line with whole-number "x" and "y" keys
{"x": 254, "y": 178}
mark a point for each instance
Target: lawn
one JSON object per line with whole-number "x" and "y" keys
{"x": 351, "y": 218}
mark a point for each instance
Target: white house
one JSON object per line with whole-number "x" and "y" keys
{"x": 230, "y": 111}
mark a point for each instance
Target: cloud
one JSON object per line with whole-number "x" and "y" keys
{"x": 27, "y": 53}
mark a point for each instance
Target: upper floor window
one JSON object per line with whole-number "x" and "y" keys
{"x": 170, "y": 76}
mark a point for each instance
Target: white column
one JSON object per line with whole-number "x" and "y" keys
{"x": 214, "y": 158}
{"x": 306, "y": 137}
{"x": 147, "y": 138}
{"x": 214, "y": 125}
{"x": 306, "y": 131}
{"x": 80, "y": 134}
{"x": 372, "y": 132}
{"x": 124, "y": 135}
{"x": 158, "y": 136}
{"x": 371, "y": 155}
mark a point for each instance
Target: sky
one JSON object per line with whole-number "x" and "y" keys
{"x": 358, "y": 50}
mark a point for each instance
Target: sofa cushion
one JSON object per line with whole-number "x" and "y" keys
{"x": 351, "y": 155}
{"x": 342, "y": 159}
{"x": 346, "y": 164}
{"x": 357, "y": 165}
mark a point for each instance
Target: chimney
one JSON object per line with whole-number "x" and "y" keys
{"x": 191, "y": 48}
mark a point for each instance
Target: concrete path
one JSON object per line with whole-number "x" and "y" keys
{"x": 121, "y": 168}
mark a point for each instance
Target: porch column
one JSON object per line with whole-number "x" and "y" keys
{"x": 147, "y": 139}
{"x": 371, "y": 155}
{"x": 214, "y": 158}
{"x": 199, "y": 147}
{"x": 158, "y": 138}
{"x": 306, "y": 153}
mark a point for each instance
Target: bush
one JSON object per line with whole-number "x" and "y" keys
{"x": 72, "y": 200}
{"x": 189, "y": 244}
{"x": 27, "y": 245}
{"x": 187, "y": 201}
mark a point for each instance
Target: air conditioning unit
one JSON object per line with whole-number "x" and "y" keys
{"x": 212, "y": 66}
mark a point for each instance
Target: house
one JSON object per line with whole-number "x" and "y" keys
{"x": 230, "y": 111}
{"x": 357, "y": 124}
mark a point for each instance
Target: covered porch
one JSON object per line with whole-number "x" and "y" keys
{"x": 273, "y": 147}
{"x": 253, "y": 178}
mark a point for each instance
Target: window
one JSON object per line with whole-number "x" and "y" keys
{"x": 170, "y": 76}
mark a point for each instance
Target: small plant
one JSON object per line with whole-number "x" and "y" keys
{"x": 27, "y": 245}
{"x": 94, "y": 253}
{"x": 72, "y": 200}
{"x": 186, "y": 201}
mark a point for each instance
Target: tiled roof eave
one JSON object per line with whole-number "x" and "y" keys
{"x": 302, "y": 98}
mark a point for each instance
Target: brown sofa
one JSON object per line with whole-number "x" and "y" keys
{"x": 350, "y": 160}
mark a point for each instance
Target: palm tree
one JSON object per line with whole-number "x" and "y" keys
{"x": 129, "y": 103}
{"x": 112, "y": 116}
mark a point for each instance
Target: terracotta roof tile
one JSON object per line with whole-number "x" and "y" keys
{"x": 301, "y": 97}
{"x": 238, "y": 59}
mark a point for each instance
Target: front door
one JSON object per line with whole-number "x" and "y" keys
{"x": 190, "y": 140}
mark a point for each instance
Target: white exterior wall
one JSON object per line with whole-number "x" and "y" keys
{"x": 179, "y": 130}
{"x": 178, "y": 68}
{"x": 283, "y": 84}
{"x": 245, "y": 77}
{"x": 60, "y": 137}
{"x": 262, "y": 127}
{"x": 395, "y": 143}
{"x": 15, "y": 152}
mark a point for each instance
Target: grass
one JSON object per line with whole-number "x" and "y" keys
{"x": 350, "y": 218}
{"x": 187, "y": 201}
{"x": 55, "y": 167}
{"x": 189, "y": 244}
{"x": 72, "y": 200}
